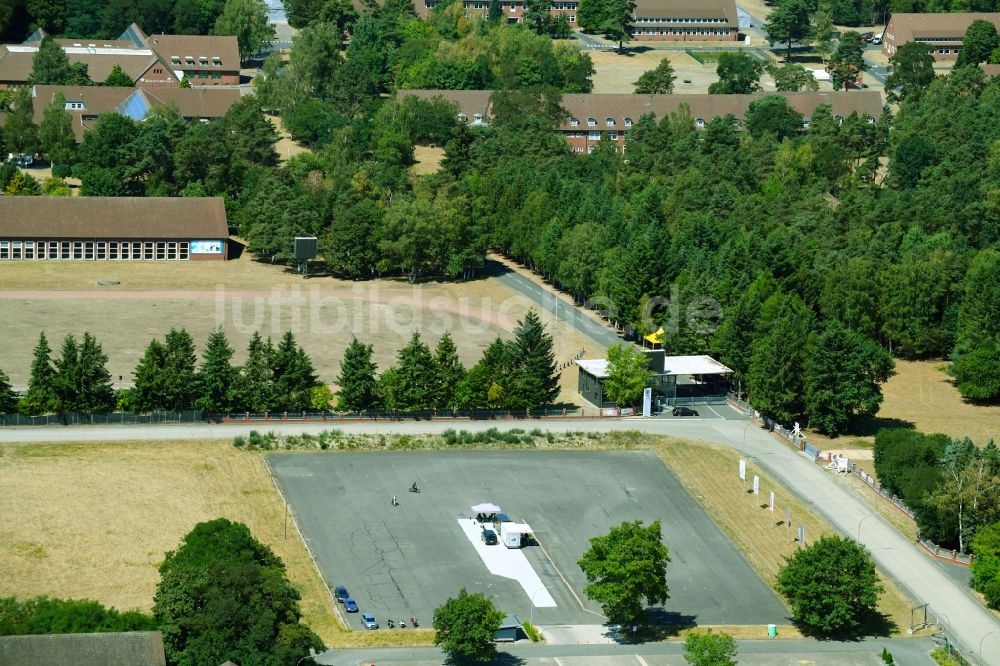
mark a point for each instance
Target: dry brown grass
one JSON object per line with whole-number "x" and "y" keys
{"x": 246, "y": 295}
{"x": 95, "y": 520}
{"x": 286, "y": 147}
{"x": 709, "y": 473}
{"x": 427, "y": 160}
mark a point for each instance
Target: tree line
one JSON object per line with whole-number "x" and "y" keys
{"x": 274, "y": 378}
{"x": 512, "y": 374}
{"x": 953, "y": 488}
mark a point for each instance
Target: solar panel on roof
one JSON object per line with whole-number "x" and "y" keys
{"x": 135, "y": 106}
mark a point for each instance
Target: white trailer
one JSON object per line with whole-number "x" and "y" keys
{"x": 514, "y": 535}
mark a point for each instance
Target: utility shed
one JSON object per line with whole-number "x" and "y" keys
{"x": 510, "y": 631}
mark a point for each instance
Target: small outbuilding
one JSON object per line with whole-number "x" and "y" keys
{"x": 675, "y": 379}
{"x": 510, "y": 631}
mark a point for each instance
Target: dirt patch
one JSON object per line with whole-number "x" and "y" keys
{"x": 286, "y": 147}
{"x": 242, "y": 296}
{"x": 427, "y": 160}
{"x": 921, "y": 395}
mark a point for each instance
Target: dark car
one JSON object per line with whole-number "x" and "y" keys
{"x": 489, "y": 537}
{"x": 684, "y": 411}
{"x": 341, "y": 594}
{"x": 867, "y": 36}
{"x": 350, "y": 606}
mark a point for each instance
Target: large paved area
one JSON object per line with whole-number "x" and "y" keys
{"x": 406, "y": 560}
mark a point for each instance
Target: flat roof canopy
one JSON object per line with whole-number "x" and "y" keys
{"x": 672, "y": 365}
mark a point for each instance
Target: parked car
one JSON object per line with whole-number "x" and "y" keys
{"x": 489, "y": 537}
{"x": 684, "y": 411}
{"x": 877, "y": 39}
{"x": 867, "y": 36}
{"x": 369, "y": 620}
{"x": 341, "y": 594}
{"x": 350, "y": 606}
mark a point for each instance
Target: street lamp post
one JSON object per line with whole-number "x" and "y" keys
{"x": 531, "y": 613}
{"x": 985, "y": 636}
{"x": 858, "y": 539}
{"x": 312, "y": 653}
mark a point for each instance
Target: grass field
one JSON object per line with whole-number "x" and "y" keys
{"x": 709, "y": 473}
{"x": 427, "y": 158}
{"x": 245, "y": 295}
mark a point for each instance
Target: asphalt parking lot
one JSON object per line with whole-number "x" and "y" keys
{"x": 406, "y": 560}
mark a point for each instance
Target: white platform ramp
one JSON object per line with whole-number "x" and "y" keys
{"x": 508, "y": 563}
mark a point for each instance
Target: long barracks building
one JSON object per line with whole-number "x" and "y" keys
{"x": 593, "y": 117}
{"x": 113, "y": 228}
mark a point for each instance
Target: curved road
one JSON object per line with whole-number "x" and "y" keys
{"x": 966, "y": 619}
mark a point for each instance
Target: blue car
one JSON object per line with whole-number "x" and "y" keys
{"x": 368, "y": 620}
{"x": 350, "y": 606}
{"x": 341, "y": 593}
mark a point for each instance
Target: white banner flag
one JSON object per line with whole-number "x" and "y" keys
{"x": 743, "y": 470}
{"x": 772, "y": 501}
{"x": 756, "y": 485}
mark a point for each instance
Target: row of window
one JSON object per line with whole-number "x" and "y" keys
{"x": 111, "y": 250}
{"x": 648, "y": 19}
{"x": 699, "y": 123}
{"x": 592, "y": 122}
{"x": 202, "y": 60}
{"x": 592, "y": 136}
{"x": 216, "y": 76}
{"x": 947, "y": 40}
{"x": 680, "y": 31}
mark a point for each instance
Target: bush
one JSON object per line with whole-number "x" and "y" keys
{"x": 531, "y": 632}
{"x": 62, "y": 170}
{"x": 42, "y": 615}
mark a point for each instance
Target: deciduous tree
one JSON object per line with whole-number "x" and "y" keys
{"x": 628, "y": 372}
{"x": 55, "y": 134}
{"x": 792, "y": 77}
{"x": 118, "y": 78}
{"x": 847, "y": 62}
{"x": 979, "y": 42}
{"x": 657, "y": 81}
{"x": 831, "y": 586}
{"x": 19, "y": 131}
{"x": 223, "y": 595}
{"x": 709, "y": 649}
{"x": 986, "y": 564}
{"x": 912, "y": 71}
{"x": 464, "y": 627}
{"x": 739, "y": 74}
{"x": 247, "y": 21}
{"x": 626, "y": 569}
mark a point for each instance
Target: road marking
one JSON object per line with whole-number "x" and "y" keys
{"x": 641, "y": 660}
{"x": 714, "y": 412}
{"x": 566, "y": 582}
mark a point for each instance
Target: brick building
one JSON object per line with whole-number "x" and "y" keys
{"x": 943, "y": 31}
{"x": 113, "y": 228}
{"x": 686, "y": 21}
{"x": 592, "y": 117}
{"x": 157, "y": 60}
{"x": 85, "y": 103}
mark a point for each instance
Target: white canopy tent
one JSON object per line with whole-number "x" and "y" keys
{"x": 485, "y": 507}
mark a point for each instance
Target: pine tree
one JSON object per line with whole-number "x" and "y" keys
{"x": 535, "y": 382}
{"x": 94, "y": 390}
{"x": 8, "y": 399}
{"x": 448, "y": 372}
{"x": 414, "y": 376}
{"x": 180, "y": 383}
{"x": 41, "y": 396}
{"x": 67, "y": 370}
{"x": 294, "y": 376}
{"x": 149, "y": 377}
{"x": 255, "y": 382}
{"x": 358, "y": 383}
{"x": 777, "y": 363}
{"x": 216, "y": 376}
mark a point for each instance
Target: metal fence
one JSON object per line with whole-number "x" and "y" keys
{"x": 195, "y": 416}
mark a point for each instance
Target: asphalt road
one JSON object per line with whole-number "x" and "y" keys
{"x": 407, "y": 560}
{"x": 908, "y": 651}
{"x": 560, "y": 308}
